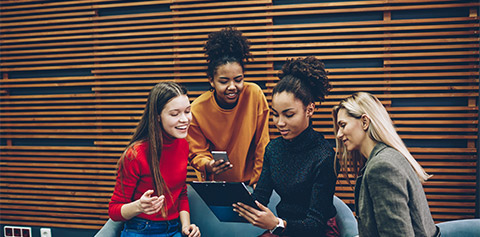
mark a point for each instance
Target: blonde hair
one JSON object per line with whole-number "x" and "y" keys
{"x": 381, "y": 129}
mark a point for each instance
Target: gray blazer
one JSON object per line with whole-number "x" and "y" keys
{"x": 389, "y": 197}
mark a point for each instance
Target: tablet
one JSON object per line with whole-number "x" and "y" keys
{"x": 219, "y": 197}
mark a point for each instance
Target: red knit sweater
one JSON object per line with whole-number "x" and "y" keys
{"x": 138, "y": 179}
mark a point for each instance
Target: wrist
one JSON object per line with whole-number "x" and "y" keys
{"x": 279, "y": 228}
{"x": 276, "y": 223}
{"x": 138, "y": 206}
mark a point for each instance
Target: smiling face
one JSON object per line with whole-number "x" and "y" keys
{"x": 176, "y": 116}
{"x": 290, "y": 115}
{"x": 351, "y": 131}
{"x": 228, "y": 83}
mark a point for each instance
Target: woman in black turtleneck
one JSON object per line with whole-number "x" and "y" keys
{"x": 299, "y": 165}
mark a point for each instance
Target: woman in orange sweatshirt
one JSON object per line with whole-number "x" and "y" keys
{"x": 231, "y": 117}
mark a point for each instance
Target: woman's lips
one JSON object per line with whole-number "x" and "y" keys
{"x": 231, "y": 95}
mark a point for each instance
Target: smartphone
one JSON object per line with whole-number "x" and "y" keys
{"x": 220, "y": 155}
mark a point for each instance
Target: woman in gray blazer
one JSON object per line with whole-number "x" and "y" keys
{"x": 389, "y": 197}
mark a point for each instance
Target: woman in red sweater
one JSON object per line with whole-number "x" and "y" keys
{"x": 150, "y": 193}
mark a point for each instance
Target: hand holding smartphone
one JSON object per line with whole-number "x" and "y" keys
{"x": 220, "y": 155}
{"x": 218, "y": 167}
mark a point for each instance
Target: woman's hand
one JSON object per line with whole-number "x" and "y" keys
{"x": 218, "y": 167}
{"x": 191, "y": 231}
{"x": 263, "y": 218}
{"x": 146, "y": 204}
{"x": 150, "y": 205}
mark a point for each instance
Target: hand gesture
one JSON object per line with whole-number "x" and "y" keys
{"x": 218, "y": 167}
{"x": 263, "y": 218}
{"x": 191, "y": 231}
{"x": 150, "y": 205}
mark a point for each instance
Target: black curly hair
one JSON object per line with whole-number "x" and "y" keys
{"x": 226, "y": 46}
{"x": 306, "y": 78}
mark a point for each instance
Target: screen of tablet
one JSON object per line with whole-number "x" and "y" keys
{"x": 219, "y": 197}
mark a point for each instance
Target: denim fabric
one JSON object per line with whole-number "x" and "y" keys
{"x": 139, "y": 227}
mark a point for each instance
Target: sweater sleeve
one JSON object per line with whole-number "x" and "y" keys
{"x": 125, "y": 188}
{"x": 183, "y": 200}
{"x": 321, "y": 207}
{"x": 199, "y": 154}
{"x": 261, "y": 138}
{"x": 388, "y": 191}
{"x": 264, "y": 187}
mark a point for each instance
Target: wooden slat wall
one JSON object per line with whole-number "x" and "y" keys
{"x": 75, "y": 76}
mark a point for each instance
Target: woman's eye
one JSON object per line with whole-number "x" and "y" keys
{"x": 289, "y": 115}
{"x": 275, "y": 114}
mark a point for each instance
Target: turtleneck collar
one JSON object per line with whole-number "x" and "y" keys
{"x": 167, "y": 139}
{"x": 302, "y": 141}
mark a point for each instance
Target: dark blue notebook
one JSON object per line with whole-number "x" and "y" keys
{"x": 219, "y": 197}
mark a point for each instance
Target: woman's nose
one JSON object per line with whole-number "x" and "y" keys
{"x": 339, "y": 134}
{"x": 231, "y": 85}
{"x": 183, "y": 118}
{"x": 280, "y": 122}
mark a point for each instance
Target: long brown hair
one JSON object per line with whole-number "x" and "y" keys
{"x": 150, "y": 129}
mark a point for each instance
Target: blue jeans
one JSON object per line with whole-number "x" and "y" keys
{"x": 139, "y": 227}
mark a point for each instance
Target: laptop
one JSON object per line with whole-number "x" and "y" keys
{"x": 219, "y": 197}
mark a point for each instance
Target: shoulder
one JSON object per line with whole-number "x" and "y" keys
{"x": 323, "y": 145}
{"x": 274, "y": 145}
{"x": 275, "y": 142}
{"x": 253, "y": 90}
{"x": 321, "y": 141}
{"x": 388, "y": 156}
{"x": 136, "y": 153}
{"x": 387, "y": 163}
{"x": 252, "y": 87}
{"x": 202, "y": 99}
{"x": 136, "y": 148}
{"x": 204, "y": 105}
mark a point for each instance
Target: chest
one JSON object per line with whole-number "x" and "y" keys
{"x": 173, "y": 168}
{"x": 294, "y": 172}
{"x": 223, "y": 128}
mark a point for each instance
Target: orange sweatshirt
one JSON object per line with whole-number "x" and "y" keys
{"x": 241, "y": 131}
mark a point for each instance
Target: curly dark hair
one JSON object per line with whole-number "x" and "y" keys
{"x": 306, "y": 78}
{"x": 226, "y": 46}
